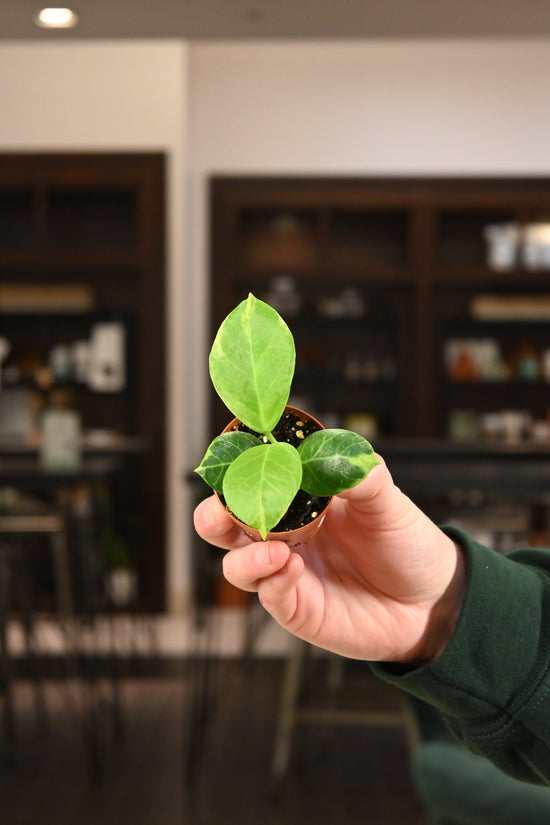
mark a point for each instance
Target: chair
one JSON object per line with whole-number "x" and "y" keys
{"x": 459, "y": 787}
{"x": 15, "y": 593}
{"x": 17, "y": 527}
{"x": 5, "y": 659}
{"x": 79, "y": 595}
{"x": 293, "y": 712}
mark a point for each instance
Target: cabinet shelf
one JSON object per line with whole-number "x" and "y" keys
{"x": 75, "y": 386}
{"x": 63, "y": 260}
{"x": 479, "y": 275}
{"x": 514, "y": 384}
{"x": 324, "y": 275}
{"x": 330, "y": 382}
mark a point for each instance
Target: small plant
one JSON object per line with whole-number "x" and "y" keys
{"x": 252, "y": 366}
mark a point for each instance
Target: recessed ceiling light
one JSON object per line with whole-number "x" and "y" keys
{"x": 55, "y": 18}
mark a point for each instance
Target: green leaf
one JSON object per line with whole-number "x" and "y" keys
{"x": 252, "y": 364}
{"x": 334, "y": 460}
{"x": 261, "y": 483}
{"x": 221, "y": 453}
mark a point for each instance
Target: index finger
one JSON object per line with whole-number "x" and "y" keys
{"x": 213, "y": 524}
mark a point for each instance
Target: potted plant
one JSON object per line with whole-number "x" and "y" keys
{"x": 273, "y": 461}
{"x": 119, "y": 573}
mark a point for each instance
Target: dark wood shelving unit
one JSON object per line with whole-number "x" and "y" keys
{"x": 96, "y": 222}
{"x": 413, "y": 250}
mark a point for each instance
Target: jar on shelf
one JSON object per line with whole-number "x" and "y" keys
{"x": 525, "y": 361}
{"x": 284, "y": 297}
{"x": 502, "y": 245}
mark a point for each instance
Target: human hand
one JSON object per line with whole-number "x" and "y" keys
{"x": 378, "y": 582}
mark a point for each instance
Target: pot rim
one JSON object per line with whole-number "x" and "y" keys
{"x": 300, "y": 535}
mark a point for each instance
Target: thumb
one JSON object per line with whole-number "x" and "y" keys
{"x": 377, "y": 495}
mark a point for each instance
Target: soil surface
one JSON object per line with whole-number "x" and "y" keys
{"x": 304, "y": 507}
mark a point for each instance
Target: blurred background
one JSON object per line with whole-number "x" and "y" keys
{"x": 380, "y": 176}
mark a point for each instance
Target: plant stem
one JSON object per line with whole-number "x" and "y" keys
{"x": 270, "y": 437}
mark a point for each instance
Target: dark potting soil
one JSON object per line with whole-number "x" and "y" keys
{"x": 304, "y": 507}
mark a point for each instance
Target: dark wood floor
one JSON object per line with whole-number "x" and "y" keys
{"x": 344, "y": 774}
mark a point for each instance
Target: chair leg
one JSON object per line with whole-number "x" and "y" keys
{"x": 24, "y": 601}
{"x": 6, "y": 664}
{"x": 65, "y": 600}
{"x": 287, "y": 709}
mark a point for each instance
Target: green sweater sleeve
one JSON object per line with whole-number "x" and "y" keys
{"x": 492, "y": 681}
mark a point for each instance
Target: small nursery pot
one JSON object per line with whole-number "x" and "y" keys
{"x": 299, "y": 535}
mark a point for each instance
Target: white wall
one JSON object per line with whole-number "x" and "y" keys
{"x": 372, "y": 107}
{"x": 116, "y": 96}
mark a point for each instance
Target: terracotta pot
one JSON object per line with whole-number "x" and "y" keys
{"x": 291, "y": 537}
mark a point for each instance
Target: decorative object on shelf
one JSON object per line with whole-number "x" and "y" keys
{"x": 512, "y": 426}
{"x": 4, "y": 352}
{"x": 348, "y": 303}
{"x": 515, "y": 425}
{"x": 121, "y": 586}
{"x": 535, "y": 248}
{"x": 353, "y": 367}
{"x": 284, "y": 297}
{"x": 474, "y": 359}
{"x": 60, "y": 362}
{"x": 363, "y": 423}
{"x": 107, "y": 366}
{"x": 545, "y": 365}
{"x": 464, "y": 425}
{"x": 491, "y": 426}
{"x": 16, "y": 413}
{"x": 525, "y": 361}
{"x": 509, "y": 244}
{"x": 81, "y": 360}
{"x": 44, "y": 298}
{"x": 61, "y": 435}
{"x": 279, "y": 240}
{"x": 366, "y": 367}
{"x": 540, "y": 430}
{"x": 503, "y": 242}
{"x": 371, "y": 367}
{"x": 510, "y": 307}
{"x": 120, "y": 576}
{"x": 460, "y": 361}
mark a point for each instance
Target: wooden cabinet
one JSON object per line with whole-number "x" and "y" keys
{"x": 382, "y": 281}
{"x": 82, "y": 244}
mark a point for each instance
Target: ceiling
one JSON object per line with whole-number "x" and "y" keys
{"x": 260, "y": 19}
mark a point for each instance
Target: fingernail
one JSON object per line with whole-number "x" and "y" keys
{"x": 213, "y": 514}
{"x": 214, "y": 511}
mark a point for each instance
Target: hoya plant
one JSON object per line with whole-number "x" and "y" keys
{"x": 251, "y": 365}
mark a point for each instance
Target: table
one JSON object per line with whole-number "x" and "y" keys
{"x": 51, "y": 514}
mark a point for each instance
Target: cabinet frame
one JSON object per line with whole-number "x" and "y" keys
{"x": 126, "y": 270}
{"x": 440, "y": 249}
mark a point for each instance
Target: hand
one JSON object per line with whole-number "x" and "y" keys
{"x": 378, "y": 582}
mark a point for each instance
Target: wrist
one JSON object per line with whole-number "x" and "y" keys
{"x": 445, "y": 612}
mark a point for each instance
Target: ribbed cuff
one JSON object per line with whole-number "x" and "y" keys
{"x": 495, "y": 645}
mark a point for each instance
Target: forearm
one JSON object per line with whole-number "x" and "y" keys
{"x": 491, "y": 678}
